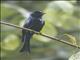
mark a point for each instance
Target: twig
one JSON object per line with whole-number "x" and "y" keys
{"x": 39, "y": 33}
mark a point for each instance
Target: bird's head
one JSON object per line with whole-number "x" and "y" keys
{"x": 37, "y": 14}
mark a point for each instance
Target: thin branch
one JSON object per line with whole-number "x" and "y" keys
{"x": 39, "y": 33}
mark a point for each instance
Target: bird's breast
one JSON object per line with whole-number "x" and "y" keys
{"x": 37, "y": 25}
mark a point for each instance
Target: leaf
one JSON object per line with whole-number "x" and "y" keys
{"x": 72, "y": 39}
{"x": 13, "y": 13}
{"x": 60, "y": 13}
{"x": 10, "y": 43}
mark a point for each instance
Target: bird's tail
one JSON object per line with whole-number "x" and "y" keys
{"x": 26, "y": 42}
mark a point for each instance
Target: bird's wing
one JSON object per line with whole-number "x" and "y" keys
{"x": 28, "y": 24}
{"x": 26, "y": 35}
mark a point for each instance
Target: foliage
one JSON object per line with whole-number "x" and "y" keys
{"x": 62, "y": 17}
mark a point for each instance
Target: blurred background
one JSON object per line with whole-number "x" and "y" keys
{"x": 62, "y": 20}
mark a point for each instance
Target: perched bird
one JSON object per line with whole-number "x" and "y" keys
{"x": 34, "y": 22}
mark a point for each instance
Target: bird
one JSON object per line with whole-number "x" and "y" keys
{"x": 34, "y": 22}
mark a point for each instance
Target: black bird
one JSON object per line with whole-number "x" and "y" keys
{"x": 34, "y": 22}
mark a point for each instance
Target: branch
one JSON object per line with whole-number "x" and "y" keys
{"x": 39, "y": 33}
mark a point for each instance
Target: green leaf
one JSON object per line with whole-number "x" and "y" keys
{"x": 72, "y": 39}
{"x": 60, "y": 13}
{"x": 10, "y": 43}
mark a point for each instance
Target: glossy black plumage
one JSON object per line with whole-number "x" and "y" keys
{"x": 34, "y": 22}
